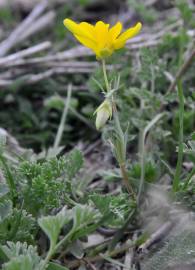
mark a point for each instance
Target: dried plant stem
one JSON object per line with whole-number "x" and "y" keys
{"x": 24, "y": 53}
{"x": 15, "y": 36}
{"x": 156, "y": 236}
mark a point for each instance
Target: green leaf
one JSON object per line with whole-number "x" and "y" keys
{"x": 52, "y": 225}
{"x": 73, "y": 163}
{"x": 85, "y": 220}
{"x": 9, "y": 176}
{"x": 3, "y": 256}
{"x": 12, "y": 249}
{"x": 114, "y": 208}
{"x": 54, "y": 266}
{"x": 5, "y": 209}
{"x": 21, "y": 256}
{"x": 18, "y": 226}
{"x": 44, "y": 184}
{"x": 20, "y": 263}
{"x": 76, "y": 249}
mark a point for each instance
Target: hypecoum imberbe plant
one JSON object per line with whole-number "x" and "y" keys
{"x": 104, "y": 40}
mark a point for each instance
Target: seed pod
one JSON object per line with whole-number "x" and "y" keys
{"x": 104, "y": 112}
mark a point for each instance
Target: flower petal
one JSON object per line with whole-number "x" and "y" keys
{"x": 115, "y": 30}
{"x": 101, "y": 32}
{"x": 119, "y": 44}
{"x": 131, "y": 32}
{"x": 87, "y": 27}
{"x": 81, "y": 29}
{"x": 87, "y": 42}
{"x": 71, "y": 26}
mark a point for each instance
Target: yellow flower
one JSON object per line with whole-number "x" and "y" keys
{"x": 100, "y": 38}
{"x": 104, "y": 112}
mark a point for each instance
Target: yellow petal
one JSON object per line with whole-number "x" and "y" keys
{"x": 131, "y": 32}
{"x": 87, "y": 42}
{"x": 87, "y": 27}
{"x": 71, "y": 26}
{"x": 78, "y": 29}
{"x": 101, "y": 32}
{"x": 115, "y": 30}
{"x": 119, "y": 44}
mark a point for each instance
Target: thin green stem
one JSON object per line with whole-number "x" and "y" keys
{"x": 47, "y": 259}
{"x": 105, "y": 75}
{"x": 142, "y": 164}
{"x": 53, "y": 250}
{"x": 178, "y": 170}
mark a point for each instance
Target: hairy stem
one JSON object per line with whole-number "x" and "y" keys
{"x": 126, "y": 180}
{"x": 120, "y": 146}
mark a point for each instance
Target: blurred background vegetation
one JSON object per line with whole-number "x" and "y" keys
{"x": 40, "y": 59}
{"x": 32, "y": 111}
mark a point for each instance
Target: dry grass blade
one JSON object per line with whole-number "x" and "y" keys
{"x": 15, "y": 36}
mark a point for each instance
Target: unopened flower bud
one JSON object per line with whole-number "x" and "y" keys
{"x": 104, "y": 112}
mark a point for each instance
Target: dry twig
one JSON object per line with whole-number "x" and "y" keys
{"x": 156, "y": 236}
{"x": 34, "y": 78}
{"x": 15, "y": 36}
{"x": 23, "y": 53}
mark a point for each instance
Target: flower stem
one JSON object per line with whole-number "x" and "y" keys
{"x": 120, "y": 144}
{"x": 105, "y": 75}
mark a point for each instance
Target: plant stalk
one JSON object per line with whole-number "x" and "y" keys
{"x": 105, "y": 75}
{"x": 121, "y": 155}
{"x": 178, "y": 170}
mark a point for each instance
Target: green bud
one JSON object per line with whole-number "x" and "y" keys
{"x": 104, "y": 112}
